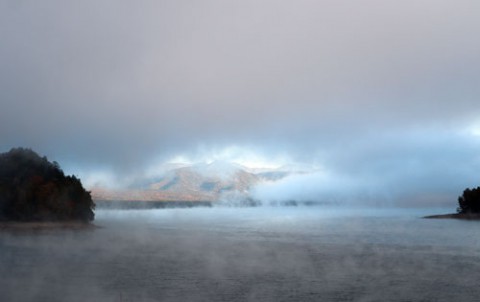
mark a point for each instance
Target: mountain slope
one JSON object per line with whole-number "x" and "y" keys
{"x": 203, "y": 182}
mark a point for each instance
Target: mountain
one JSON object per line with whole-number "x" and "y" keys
{"x": 199, "y": 182}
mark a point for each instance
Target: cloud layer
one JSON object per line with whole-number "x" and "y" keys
{"x": 373, "y": 88}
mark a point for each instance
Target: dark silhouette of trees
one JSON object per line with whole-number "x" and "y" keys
{"x": 34, "y": 189}
{"x": 469, "y": 202}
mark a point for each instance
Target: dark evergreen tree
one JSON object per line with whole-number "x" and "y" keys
{"x": 34, "y": 189}
{"x": 469, "y": 202}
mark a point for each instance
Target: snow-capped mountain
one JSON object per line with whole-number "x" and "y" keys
{"x": 197, "y": 182}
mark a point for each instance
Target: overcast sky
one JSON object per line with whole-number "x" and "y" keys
{"x": 376, "y": 92}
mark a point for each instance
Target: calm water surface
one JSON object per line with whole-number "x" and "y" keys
{"x": 247, "y": 254}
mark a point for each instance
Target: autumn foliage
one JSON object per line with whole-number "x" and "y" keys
{"x": 34, "y": 189}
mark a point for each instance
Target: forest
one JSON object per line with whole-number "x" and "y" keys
{"x": 469, "y": 202}
{"x": 34, "y": 189}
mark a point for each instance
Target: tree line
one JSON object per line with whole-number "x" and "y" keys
{"x": 469, "y": 202}
{"x": 35, "y": 189}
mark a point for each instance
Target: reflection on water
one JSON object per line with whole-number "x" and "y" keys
{"x": 247, "y": 254}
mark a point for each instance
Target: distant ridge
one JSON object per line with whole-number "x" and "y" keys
{"x": 200, "y": 182}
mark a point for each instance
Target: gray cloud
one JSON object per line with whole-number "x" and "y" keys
{"x": 377, "y": 87}
{"x": 416, "y": 169}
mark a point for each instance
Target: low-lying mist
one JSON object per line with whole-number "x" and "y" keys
{"x": 245, "y": 254}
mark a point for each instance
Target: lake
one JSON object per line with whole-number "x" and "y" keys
{"x": 247, "y": 254}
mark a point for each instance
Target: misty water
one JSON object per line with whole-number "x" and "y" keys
{"x": 247, "y": 254}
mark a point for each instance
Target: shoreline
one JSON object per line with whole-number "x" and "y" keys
{"x": 463, "y": 216}
{"x": 46, "y": 225}
{"x": 153, "y": 204}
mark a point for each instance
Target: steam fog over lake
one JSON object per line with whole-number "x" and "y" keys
{"x": 247, "y": 254}
{"x": 367, "y": 103}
